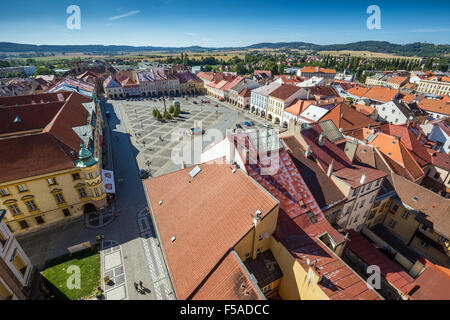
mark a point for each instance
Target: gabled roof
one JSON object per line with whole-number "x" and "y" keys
{"x": 324, "y": 190}
{"x": 397, "y": 80}
{"x": 381, "y": 94}
{"x": 400, "y": 160}
{"x": 310, "y": 69}
{"x": 284, "y": 92}
{"x": 438, "y": 106}
{"x": 432, "y": 284}
{"x": 228, "y": 281}
{"x": 299, "y": 106}
{"x": 357, "y": 91}
{"x": 410, "y": 141}
{"x": 207, "y": 214}
{"x": 349, "y": 119}
{"x": 267, "y": 89}
{"x": 111, "y": 83}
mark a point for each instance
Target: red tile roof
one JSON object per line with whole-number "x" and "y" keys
{"x": 228, "y": 281}
{"x": 208, "y": 215}
{"x": 437, "y": 106}
{"x": 432, "y": 284}
{"x": 381, "y": 94}
{"x": 391, "y": 271}
{"x": 284, "y": 92}
{"x": 310, "y": 69}
{"x": 357, "y": 91}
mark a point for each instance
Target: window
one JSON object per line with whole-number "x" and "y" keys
{"x": 66, "y": 212}
{"x": 14, "y": 209}
{"x": 4, "y": 192}
{"x": 23, "y": 224}
{"x": 91, "y": 176}
{"x": 362, "y": 203}
{"x": 51, "y": 181}
{"x": 258, "y": 251}
{"x": 395, "y": 208}
{"x": 436, "y": 175}
{"x": 260, "y": 237}
{"x": 96, "y": 192}
{"x": 443, "y": 239}
{"x": 356, "y": 218}
{"x": 22, "y": 187}
{"x": 59, "y": 198}
{"x": 392, "y": 224}
{"x": 247, "y": 255}
{"x": 355, "y": 191}
{"x": 372, "y": 214}
{"x": 405, "y": 215}
{"x": 31, "y": 205}
{"x": 378, "y": 183}
{"x": 39, "y": 220}
{"x": 82, "y": 193}
{"x": 348, "y": 210}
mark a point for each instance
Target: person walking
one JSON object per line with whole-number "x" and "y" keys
{"x": 141, "y": 284}
{"x": 136, "y": 286}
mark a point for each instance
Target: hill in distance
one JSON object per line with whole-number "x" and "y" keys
{"x": 418, "y": 49}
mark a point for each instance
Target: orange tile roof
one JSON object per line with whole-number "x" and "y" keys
{"x": 357, "y": 91}
{"x": 397, "y": 155}
{"x": 349, "y": 119}
{"x": 208, "y": 215}
{"x": 227, "y": 282}
{"x": 299, "y": 106}
{"x": 284, "y": 92}
{"x": 382, "y": 94}
{"x": 397, "y": 80}
{"x": 438, "y": 106}
{"x": 310, "y": 69}
{"x": 366, "y": 110}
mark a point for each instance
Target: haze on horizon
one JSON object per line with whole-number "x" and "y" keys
{"x": 181, "y": 23}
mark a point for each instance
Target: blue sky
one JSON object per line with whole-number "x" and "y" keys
{"x": 222, "y": 23}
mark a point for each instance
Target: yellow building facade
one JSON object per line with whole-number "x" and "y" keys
{"x": 42, "y": 200}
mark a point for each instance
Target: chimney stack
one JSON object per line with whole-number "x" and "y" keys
{"x": 363, "y": 178}
{"x": 183, "y": 165}
{"x": 308, "y": 151}
{"x": 322, "y": 139}
{"x": 330, "y": 168}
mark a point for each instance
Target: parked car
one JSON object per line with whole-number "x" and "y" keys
{"x": 215, "y": 105}
{"x": 249, "y": 123}
{"x": 143, "y": 174}
{"x": 267, "y": 125}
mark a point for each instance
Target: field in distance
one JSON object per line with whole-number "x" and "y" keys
{"x": 365, "y": 54}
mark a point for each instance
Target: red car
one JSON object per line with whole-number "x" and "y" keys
{"x": 216, "y": 105}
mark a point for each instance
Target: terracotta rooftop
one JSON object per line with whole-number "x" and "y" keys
{"x": 438, "y": 106}
{"x": 227, "y": 281}
{"x": 298, "y": 106}
{"x": 432, "y": 284}
{"x": 381, "y": 94}
{"x": 284, "y": 92}
{"x": 49, "y": 149}
{"x": 207, "y": 214}
{"x": 390, "y": 270}
{"x": 415, "y": 147}
{"x": 309, "y": 69}
{"x": 348, "y": 118}
{"x": 395, "y": 153}
{"x": 324, "y": 190}
{"x": 357, "y": 91}
{"x": 366, "y": 110}
{"x": 397, "y": 80}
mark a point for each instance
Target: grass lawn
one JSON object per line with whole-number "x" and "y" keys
{"x": 55, "y": 275}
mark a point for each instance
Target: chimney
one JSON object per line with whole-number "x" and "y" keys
{"x": 183, "y": 165}
{"x": 257, "y": 218}
{"x": 330, "y": 168}
{"x": 363, "y": 179}
{"x": 322, "y": 139}
{"x": 308, "y": 151}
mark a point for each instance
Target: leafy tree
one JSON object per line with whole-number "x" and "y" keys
{"x": 176, "y": 112}
{"x": 171, "y": 109}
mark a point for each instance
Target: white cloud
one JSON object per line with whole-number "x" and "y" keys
{"x": 124, "y": 15}
{"x": 192, "y": 34}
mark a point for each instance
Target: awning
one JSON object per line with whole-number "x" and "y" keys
{"x": 108, "y": 181}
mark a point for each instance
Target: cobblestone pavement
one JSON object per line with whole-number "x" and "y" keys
{"x": 113, "y": 267}
{"x": 161, "y": 282}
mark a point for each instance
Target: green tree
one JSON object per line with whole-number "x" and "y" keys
{"x": 171, "y": 109}
{"x": 176, "y": 112}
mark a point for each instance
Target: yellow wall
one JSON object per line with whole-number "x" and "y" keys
{"x": 250, "y": 242}
{"x": 295, "y": 284}
{"x": 4, "y": 293}
{"x": 404, "y": 228}
{"x": 43, "y": 195}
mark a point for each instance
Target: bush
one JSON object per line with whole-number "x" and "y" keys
{"x": 176, "y": 112}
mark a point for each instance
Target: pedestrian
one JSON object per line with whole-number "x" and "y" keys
{"x": 136, "y": 286}
{"x": 141, "y": 284}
